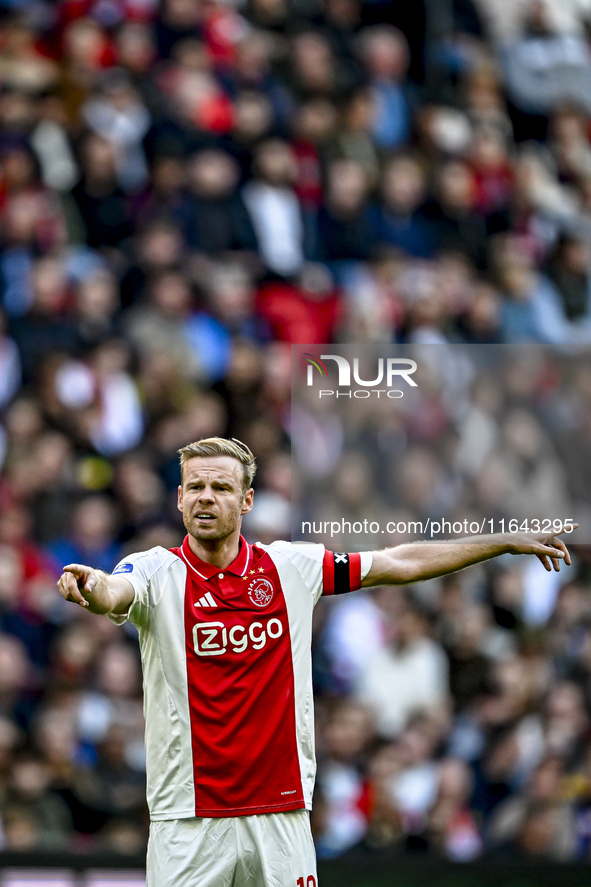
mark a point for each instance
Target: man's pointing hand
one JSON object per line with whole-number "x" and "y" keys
{"x": 547, "y": 547}
{"x": 76, "y": 579}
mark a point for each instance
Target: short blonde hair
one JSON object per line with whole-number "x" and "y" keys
{"x": 222, "y": 446}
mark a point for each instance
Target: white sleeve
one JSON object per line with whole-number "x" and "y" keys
{"x": 307, "y": 558}
{"x": 138, "y": 569}
{"x": 326, "y": 572}
{"x": 366, "y": 562}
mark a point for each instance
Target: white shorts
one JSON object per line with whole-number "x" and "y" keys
{"x": 267, "y": 850}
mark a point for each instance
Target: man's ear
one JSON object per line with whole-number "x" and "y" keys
{"x": 248, "y": 501}
{"x": 179, "y": 503}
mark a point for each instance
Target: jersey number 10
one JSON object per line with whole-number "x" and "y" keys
{"x": 311, "y": 882}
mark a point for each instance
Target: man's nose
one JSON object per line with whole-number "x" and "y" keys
{"x": 206, "y": 495}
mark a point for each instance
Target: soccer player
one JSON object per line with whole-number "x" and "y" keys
{"x": 225, "y": 634}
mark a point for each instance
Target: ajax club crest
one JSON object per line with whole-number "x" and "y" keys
{"x": 260, "y": 591}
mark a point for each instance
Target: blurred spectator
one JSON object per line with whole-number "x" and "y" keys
{"x": 543, "y": 67}
{"x": 85, "y": 53}
{"x": 17, "y": 691}
{"x": 493, "y": 175}
{"x": 343, "y": 230}
{"x": 52, "y": 144}
{"x": 314, "y": 125}
{"x": 99, "y": 197}
{"x": 253, "y": 119}
{"x": 274, "y": 208}
{"x": 452, "y": 825}
{"x": 10, "y": 366}
{"x": 214, "y": 217}
{"x": 316, "y": 69}
{"x": 227, "y": 315}
{"x": 117, "y": 114}
{"x": 537, "y": 822}
{"x": 190, "y": 84}
{"x": 532, "y": 311}
{"x": 470, "y": 671}
{"x": 353, "y": 139}
{"x": 405, "y": 678}
{"x": 341, "y": 782}
{"x": 453, "y": 216}
{"x": 570, "y": 271}
{"x": 91, "y": 536}
{"x": 23, "y": 67}
{"x": 140, "y": 492}
{"x": 159, "y": 246}
{"x": 384, "y": 53}
{"x": 97, "y": 302}
{"x": 34, "y": 817}
{"x": 307, "y": 312}
{"x": 413, "y": 788}
{"x": 178, "y": 19}
{"x": 356, "y": 628}
{"x": 399, "y": 218}
{"x": 46, "y": 327}
{"x": 115, "y": 421}
{"x": 160, "y": 324}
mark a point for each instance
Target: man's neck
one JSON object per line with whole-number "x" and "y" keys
{"x": 217, "y": 552}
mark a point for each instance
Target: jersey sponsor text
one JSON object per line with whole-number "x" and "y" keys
{"x": 215, "y": 638}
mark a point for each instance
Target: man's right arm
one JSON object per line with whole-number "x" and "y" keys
{"x": 96, "y": 591}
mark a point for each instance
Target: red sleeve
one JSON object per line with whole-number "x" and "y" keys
{"x": 341, "y": 572}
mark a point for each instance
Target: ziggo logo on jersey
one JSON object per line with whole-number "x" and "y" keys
{"x": 213, "y": 638}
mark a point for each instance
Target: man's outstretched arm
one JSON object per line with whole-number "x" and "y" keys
{"x": 97, "y": 591}
{"x": 416, "y": 561}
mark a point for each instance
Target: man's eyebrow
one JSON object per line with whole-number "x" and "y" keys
{"x": 220, "y": 483}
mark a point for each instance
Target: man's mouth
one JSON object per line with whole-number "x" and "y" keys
{"x": 204, "y": 515}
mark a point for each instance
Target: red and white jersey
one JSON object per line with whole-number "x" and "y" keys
{"x": 226, "y": 657}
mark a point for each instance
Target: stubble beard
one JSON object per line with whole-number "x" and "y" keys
{"x": 205, "y": 535}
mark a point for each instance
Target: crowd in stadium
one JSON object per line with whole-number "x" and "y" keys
{"x": 453, "y": 715}
{"x": 188, "y": 187}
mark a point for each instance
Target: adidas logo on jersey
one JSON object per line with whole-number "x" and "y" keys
{"x": 207, "y": 600}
